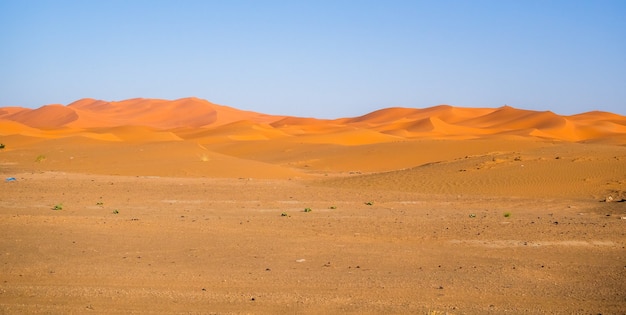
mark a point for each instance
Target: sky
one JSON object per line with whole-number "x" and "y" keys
{"x": 318, "y": 58}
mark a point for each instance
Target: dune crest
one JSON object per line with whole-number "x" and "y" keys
{"x": 199, "y": 119}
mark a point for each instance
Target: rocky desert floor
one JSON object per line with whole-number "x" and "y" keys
{"x": 409, "y": 227}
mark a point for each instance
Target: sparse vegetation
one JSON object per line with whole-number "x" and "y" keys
{"x": 58, "y": 206}
{"x": 507, "y": 214}
{"x": 370, "y": 203}
{"x": 116, "y": 211}
{"x": 99, "y": 203}
{"x": 472, "y": 215}
{"x": 40, "y": 158}
{"x": 284, "y": 214}
{"x": 332, "y": 207}
{"x": 307, "y": 210}
{"x": 1, "y": 145}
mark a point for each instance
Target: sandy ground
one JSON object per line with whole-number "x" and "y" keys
{"x": 216, "y": 221}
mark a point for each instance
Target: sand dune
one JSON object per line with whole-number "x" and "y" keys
{"x": 46, "y": 117}
{"x": 389, "y": 124}
{"x": 9, "y": 127}
{"x": 301, "y": 145}
{"x": 162, "y": 114}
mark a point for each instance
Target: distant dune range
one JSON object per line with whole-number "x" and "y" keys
{"x": 441, "y": 149}
{"x": 193, "y": 118}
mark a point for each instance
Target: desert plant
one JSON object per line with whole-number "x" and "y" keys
{"x": 369, "y": 203}
{"x": 58, "y": 206}
{"x": 507, "y": 214}
{"x": 472, "y": 215}
{"x": 40, "y": 158}
{"x": 332, "y": 207}
{"x": 99, "y": 203}
{"x": 284, "y": 214}
{"x": 116, "y": 211}
{"x": 307, "y": 210}
{"x": 1, "y": 145}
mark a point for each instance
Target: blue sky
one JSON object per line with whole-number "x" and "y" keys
{"x": 319, "y": 58}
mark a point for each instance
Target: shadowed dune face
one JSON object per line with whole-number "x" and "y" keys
{"x": 46, "y": 117}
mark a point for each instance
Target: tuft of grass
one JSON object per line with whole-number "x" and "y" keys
{"x": 332, "y": 207}
{"x": 370, "y": 203}
{"x": 507, "y": 214}
{"x": 307, "y": 210}
{"x": 58, "y": 206}
{"x": 99, "y": 203}
{"x": 284, "y": 214}
{"x": 40, "y": 158}
{"x": 1, "y": 145}
{"x": 116, "y": 211}
{"x": 472, "y": 215}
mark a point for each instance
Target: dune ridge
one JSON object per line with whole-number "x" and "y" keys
{"x": 185, "y": 117}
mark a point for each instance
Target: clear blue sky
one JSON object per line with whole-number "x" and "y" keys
{"x": 318, "y": 58}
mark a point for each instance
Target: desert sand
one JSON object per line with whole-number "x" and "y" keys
{"x": 188, "y": 207}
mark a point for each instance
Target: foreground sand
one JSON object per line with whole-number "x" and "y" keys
{"x": 406, "y": 227}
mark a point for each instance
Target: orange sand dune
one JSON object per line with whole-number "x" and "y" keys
{"x": 81, "y": 154}
{"x": 162, "y": 114}
{"x": 243, "y": 130}
{"x": 307, "y": 126}
{"x": 9, "y": 127}
{"x": 193, "y": 118}
{"x": 598, "y": 116}
{"x": 136, "y": 134}
{"x": 7, "y": 111}
{"x": 446, "y": 113}
{"x": 46, "y": 117}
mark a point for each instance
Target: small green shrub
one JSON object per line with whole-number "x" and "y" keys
{"x": 1, "y": 145}
{"x": 284, "y": 214}
{"x": 307, "y": 210}
{"x": 40, "y": 158}
{"x": 332, "y": 207}
{"x": 116, "y": 211}
{"x": 370, "y": 203}
{"x": 58, "y": 206}
{"x": 507, "y": 214}
{"x": 472, "y": 215}
{"x": 99, "y": 203}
